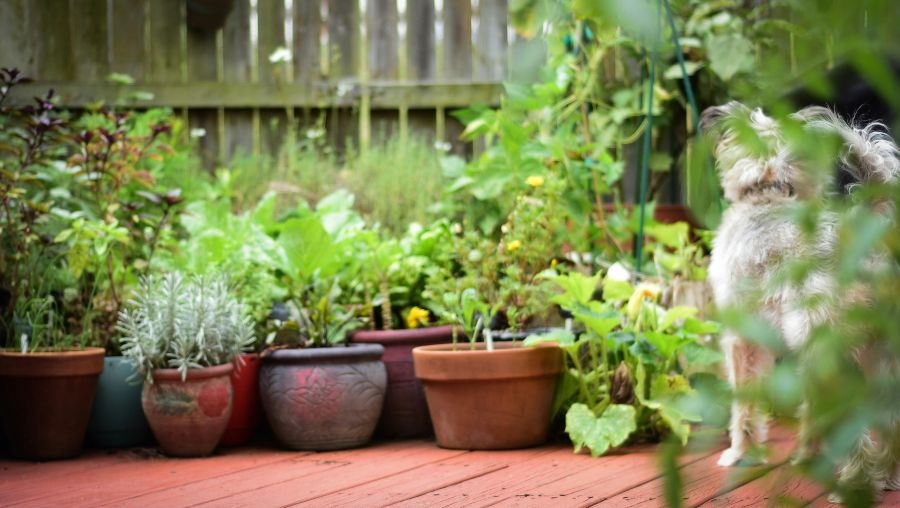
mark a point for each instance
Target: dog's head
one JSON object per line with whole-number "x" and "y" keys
{"x": 757, "y": 163}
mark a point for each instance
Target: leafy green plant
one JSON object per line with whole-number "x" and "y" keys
{"x": 627, "y": 370}
{"x": 183, "y": 323}
{"x": 317, "y": 319}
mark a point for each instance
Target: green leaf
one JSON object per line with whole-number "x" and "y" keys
{"x": 698, "y": 355}
{"x": 598, "y": 434}
{"x": 306, "y": 248}
{"x": 558, "y": 336}
{"x": 578, "y": 288}
{"x": 672, "y": 235}
{"x": 696, "y": 326}
{"x": 616, "y": 290}
{"x": 729, "y": 54}
{"x": 675, "y": 314}
{"x": 674, "y": 72}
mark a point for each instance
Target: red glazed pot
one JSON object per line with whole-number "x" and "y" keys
{"x": 188, "y": 417}
{"x": 246, "y": 411}
{"x": 489, "y": 400}
{"x": 323, "y": 398}
{"x": 46, "y": 399}
{"x": 405, "y": 412}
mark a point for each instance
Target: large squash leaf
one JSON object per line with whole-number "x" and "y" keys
{"x": 598, "y": 434}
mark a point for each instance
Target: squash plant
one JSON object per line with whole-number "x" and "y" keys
{"x": 624, "y": 374}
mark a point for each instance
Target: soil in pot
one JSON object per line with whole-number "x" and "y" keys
{"x": 405, "y": 412}
{"x": 246, "y": 411}
{"x": 188, "y": 417}
{"x": 489, "y": 400}
{"x": 117, "y": 419}
{"x": 46, "y": 399}
{"x": 323, "y": 398}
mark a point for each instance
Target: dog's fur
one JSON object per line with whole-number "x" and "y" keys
{"x": 757, "y": 239}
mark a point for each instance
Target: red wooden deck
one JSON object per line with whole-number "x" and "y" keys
{"x": 400, "y": 473}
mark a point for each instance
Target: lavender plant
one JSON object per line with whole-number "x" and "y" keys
{"x": 184, "y": 323}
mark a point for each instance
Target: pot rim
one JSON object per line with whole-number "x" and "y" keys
{"x": 510, "y": 360}
{"x": 405, "y": 335}
{"x": 350, "y": 352}
{"x": 76, "y": 362}
{"x": 69, "y": 352}
{"x": 169, "y": 375}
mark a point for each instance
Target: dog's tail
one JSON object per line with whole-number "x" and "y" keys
{"x": 870, "y": 155}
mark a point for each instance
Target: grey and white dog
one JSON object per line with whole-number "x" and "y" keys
{"x": 757, "y": 239}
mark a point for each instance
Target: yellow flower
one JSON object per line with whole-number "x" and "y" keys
{"x": 535, "y": 181}
{"x": 513, "y": 245}
{"x": 417, "y": 317}
{"x": 643, "y": 292}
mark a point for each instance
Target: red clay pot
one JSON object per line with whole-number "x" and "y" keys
{"x": 246, "y": 411}
{"x": 323, "y": 398}
{"x": 489, "y": 400}
{"x": 188, "y": 417}
{"x": 46, "y": 399}
{"x": 405, "y": 412}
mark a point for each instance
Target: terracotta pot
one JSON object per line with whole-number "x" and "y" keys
{"x": 46, "y": 399}
{"x": 405, "y": 413}
{"x": 246, "y": 412}
{"x": 117, "y": 419}
{"x": 188, "y": 417}
{"x": 323, "y": 398}
{"x": 489, "y": 400}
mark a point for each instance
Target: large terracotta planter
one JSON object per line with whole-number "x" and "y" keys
{"x": 405, "y": 413}
{"x": 46, "y": 399}
{"x": 117, "y": 419}
{"x": 246, "y": 411}
{"x": 489, "y": 400}
{"x": 323, "y": 398}
{"x": 188, "y": 417}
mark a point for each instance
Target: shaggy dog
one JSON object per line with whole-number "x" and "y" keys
{"x": 757, "y": 239}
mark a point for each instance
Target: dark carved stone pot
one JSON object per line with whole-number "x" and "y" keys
{"x": 405, "y": 412}
{"x": 188, "y": 417}
{"x": 323, "y": 398}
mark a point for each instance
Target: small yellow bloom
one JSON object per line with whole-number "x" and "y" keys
{"x": 513, "y": 245}
{"x": 553, "y": 263}
{"x": 535, "y": 181}
{"x": 417, "y": 317}
{"x": 643, "y": 292}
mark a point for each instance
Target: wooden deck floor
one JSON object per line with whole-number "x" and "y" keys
{"x": 400, "y": 473}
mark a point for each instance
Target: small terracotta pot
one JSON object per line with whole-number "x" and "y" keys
{"x": 188, "y": 417}
{"x": 405, "y": 412}
{"x": 489, "y": 400}
{"x": 46, "y": 399}
{"x": 323, "y": 398}
{"x": 246, "y": 412}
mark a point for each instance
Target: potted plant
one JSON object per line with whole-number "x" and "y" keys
{"x": 318, "y": 392}
{"x": 628, "y": 372}
{"x": 47, "y": 375}
{"x": 395, "y": 274}
{"x": 185, "y": 334}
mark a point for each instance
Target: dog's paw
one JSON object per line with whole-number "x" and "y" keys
{"x": 894, "y": 482}
{"x": 730, "y": 457}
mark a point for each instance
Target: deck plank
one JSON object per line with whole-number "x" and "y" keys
{"x": 363, "y": 466}
{"x": 776, "y": 488}
{"x": 431, "y": 477}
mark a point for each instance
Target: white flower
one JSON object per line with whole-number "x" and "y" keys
{"x": 280, "y": 55}
{"x": 618, "y": 272}
{"x": 315, "y": 133}
{"x": 344, "y": 88}
{"x": 442, "y": 146}
{"x": 415, "y": 228}
{"x": 198, "y": 133}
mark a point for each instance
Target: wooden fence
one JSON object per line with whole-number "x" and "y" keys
{"x": 367, "y": 67}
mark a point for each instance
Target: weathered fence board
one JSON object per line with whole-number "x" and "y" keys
{"x": 377, "y": 67}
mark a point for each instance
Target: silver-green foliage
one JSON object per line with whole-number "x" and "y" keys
{"x": 184, "y": 323}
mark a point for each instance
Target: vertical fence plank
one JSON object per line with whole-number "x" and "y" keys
{"x": 383, "y": 44}
{"x": 166, "y": 22}
{"x": 457, "y": 63}
{"x": 50, "y": 38}
{"x": 88, "y": 29}
{"x": 490, "y": 50}
{"x": 15, "y": 45}
{"x": 128, "y": 53}
{"x": 420, "y": 40}
{"x": 343, "y": 56}
{"x": 238, "y": 68}
{"x": 307, "y": 28}
{"x": 202, "y": 66}
{"x": 272, "y": 123}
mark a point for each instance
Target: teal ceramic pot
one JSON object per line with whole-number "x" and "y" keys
{"x": 117, "y": 420}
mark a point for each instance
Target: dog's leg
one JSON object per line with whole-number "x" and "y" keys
{"x": 744, "y": 362}
{"x": 806, "y": 448}
{"x": 893, "y": 478}
{"x": 863, "y": 470}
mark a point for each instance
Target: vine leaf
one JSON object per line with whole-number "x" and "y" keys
{"x": 598, "y": 434}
